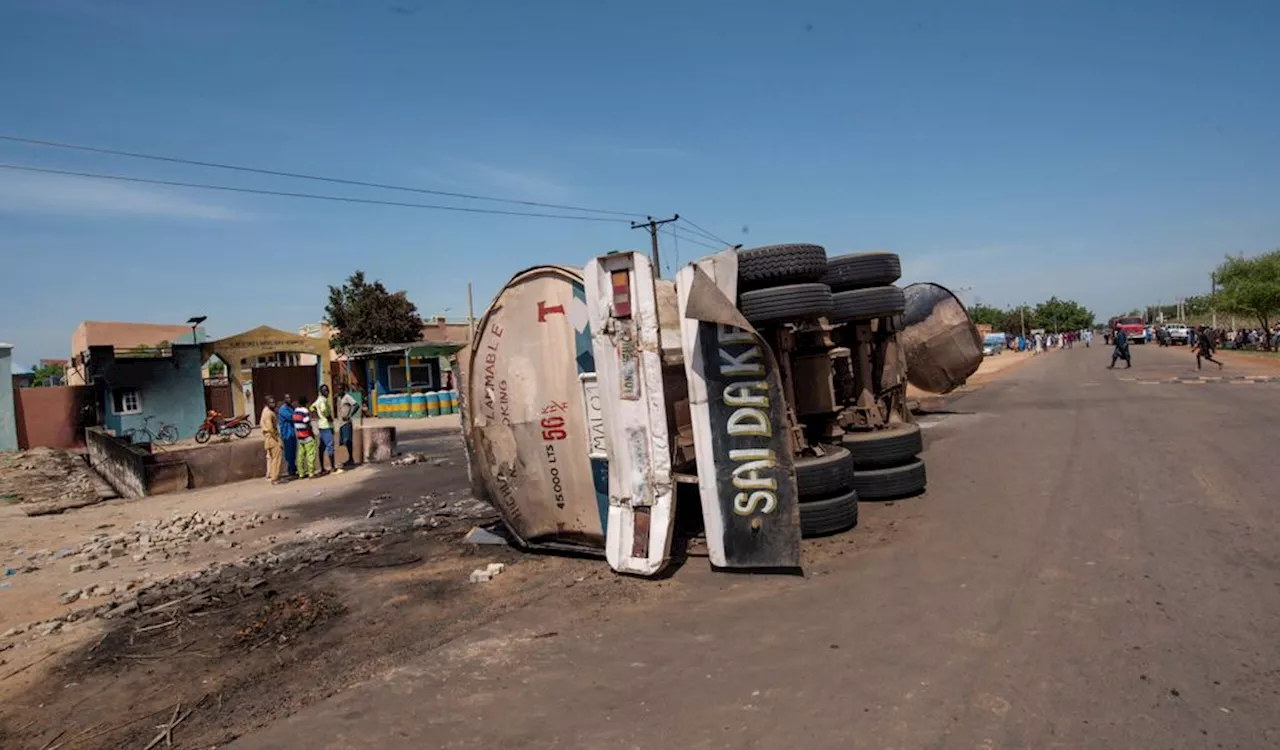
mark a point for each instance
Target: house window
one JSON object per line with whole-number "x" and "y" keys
{"x": 126, "y": 401}
{"x": 421, "y": 376}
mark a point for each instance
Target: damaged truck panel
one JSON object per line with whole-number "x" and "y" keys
{"x": 623, "y": 314}
{"x": 942, "y": 345}
{"x": 746, "y": 474}
{"x": 530, "y": 381}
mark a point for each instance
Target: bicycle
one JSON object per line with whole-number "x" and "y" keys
{"x": 166, "y": 435}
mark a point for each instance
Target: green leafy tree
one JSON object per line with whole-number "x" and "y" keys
{"x": 366, "y": 313}
{"x": 46, "y": 375}
{"x": 1016, "y": 319}
{"x": 217, "y": 369}
{"x": 1251, "y": 286}
{"x": 992, "y": 316}
{"x": 1062, "y": 315}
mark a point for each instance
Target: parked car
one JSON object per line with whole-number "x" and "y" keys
{"x": 993, "y": 344}
{"x": 1179, "y": 333}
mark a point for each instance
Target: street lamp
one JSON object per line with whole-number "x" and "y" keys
{"x": 195, "y": 322}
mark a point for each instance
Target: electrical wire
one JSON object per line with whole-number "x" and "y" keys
{"x": 302, "y": 176}
{"x": 311, "y": 196}
{"x": 694, "y": 239}
{"x": 704, "y": 232}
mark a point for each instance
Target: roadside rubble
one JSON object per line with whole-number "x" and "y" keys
{"x": 222, "y": 583}
{"x": 155, "y": 539}
{"x": 41, "y": 481}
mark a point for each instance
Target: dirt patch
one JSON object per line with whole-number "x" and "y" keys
{"x": 44, "y": 480}
{"x": 232, "y": 652}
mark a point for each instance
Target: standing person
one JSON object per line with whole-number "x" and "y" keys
{"x": 269, "y": 421}
{"x": 347, "y": 408}
{"x": 306, "y": 441}
{"x": 324, "y": 423}
{"x": 1204, "y": 349}
{"x": 1121, "y": 351}
{"x": 290, "y": 442}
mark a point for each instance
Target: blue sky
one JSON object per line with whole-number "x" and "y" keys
{"x": 1107, "y": 152}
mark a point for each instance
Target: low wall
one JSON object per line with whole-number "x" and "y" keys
{"x": 121, "y": 464}
{"x": 222, "y": 463}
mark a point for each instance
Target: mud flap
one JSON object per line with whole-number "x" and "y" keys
{"x": 746, "y": 473}
{"x": 622, "y": 312}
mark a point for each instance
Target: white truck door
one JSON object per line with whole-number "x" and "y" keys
{"x": 622, "y": 311}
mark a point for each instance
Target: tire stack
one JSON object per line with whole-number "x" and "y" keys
{"x": 886, "y": 461}
{"x": 785, "y": 284}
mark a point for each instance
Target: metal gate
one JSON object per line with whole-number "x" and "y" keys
{"x": 217, "y": 396}
{"x": 300, "y": 382}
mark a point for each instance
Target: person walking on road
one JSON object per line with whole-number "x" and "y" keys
{"x": 306, "y": 441}
{"x": 347, "y": 408}
{"x": 1121, "y": 350}
{"x": 1204, "y": 349}
{"x": 289, "y": 442}
{"x": 323, "y": 410}
{"x": 270, "y": 423}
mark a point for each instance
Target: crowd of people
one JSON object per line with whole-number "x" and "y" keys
{"x": 298, "y": 434}
{"x": 1040, "y": 342}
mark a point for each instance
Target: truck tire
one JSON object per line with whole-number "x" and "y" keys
{"x": 890, "y": 483}
{"x": 771, "y": 265}
{"x": 894, "y": 446}
{"x": 784, "y": 304}
{"x": 830, "y": 516}
{"x": 862, "y": 270}
{"x": 823, "y": 476}
{"x": 865, "y": 304}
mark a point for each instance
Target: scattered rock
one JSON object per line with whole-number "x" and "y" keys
{"x": 70, "y": 596}
{"x": 487, "y": 573}
{"x": 79, "y": 567}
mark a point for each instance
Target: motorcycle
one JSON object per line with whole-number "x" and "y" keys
{"x": 215, "y": 424}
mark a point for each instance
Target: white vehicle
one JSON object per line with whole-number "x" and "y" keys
{"x": 1179, "y": 333}
{"x": 765, "y": 386}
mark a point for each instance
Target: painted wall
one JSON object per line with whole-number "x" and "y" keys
{"x": 8, "y": 417}
{"x": 53, "y": 417}
{"x": 171, "y": 389}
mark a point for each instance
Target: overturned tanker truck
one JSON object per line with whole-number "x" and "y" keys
{"x": 753, "y": 400}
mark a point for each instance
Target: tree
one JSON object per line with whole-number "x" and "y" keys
{"x": 1062, "y": 315}
{"x": 217, "y": 369}
{"x": 364, "y": 313}
{"x": 48, "y": 374}
{"x": 992, "y": 316}
{"x": 1251, "y": 286}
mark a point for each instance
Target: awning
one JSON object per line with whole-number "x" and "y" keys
{"x": 416, "y": 349}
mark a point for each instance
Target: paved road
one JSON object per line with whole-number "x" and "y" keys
{"x": 1096, "y": 565}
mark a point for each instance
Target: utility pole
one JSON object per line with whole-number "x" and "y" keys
{"x": 1022, "y": 310}
{"x": 471, "y": 313}
{"x": 1213, "y": 297}
{"x": 652, "y": 225}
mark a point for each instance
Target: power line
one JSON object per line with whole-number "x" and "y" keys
{"x": 311, "y": 196}
{"x": 301, "y": 176}
{"x": 704, "y": 232}
{"x": 694, "y": 240}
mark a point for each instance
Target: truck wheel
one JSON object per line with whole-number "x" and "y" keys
{"x": 862, "y": 270}
{"x": 779, "y": 304}
{"x": 771, "y": 265}
{"x": 896, "y": 445}
{"x": 825, "y": 475}
{"x": 830, "y": 516}
{"x": 865, "y": 304}
{"x": 893, "y": 482}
